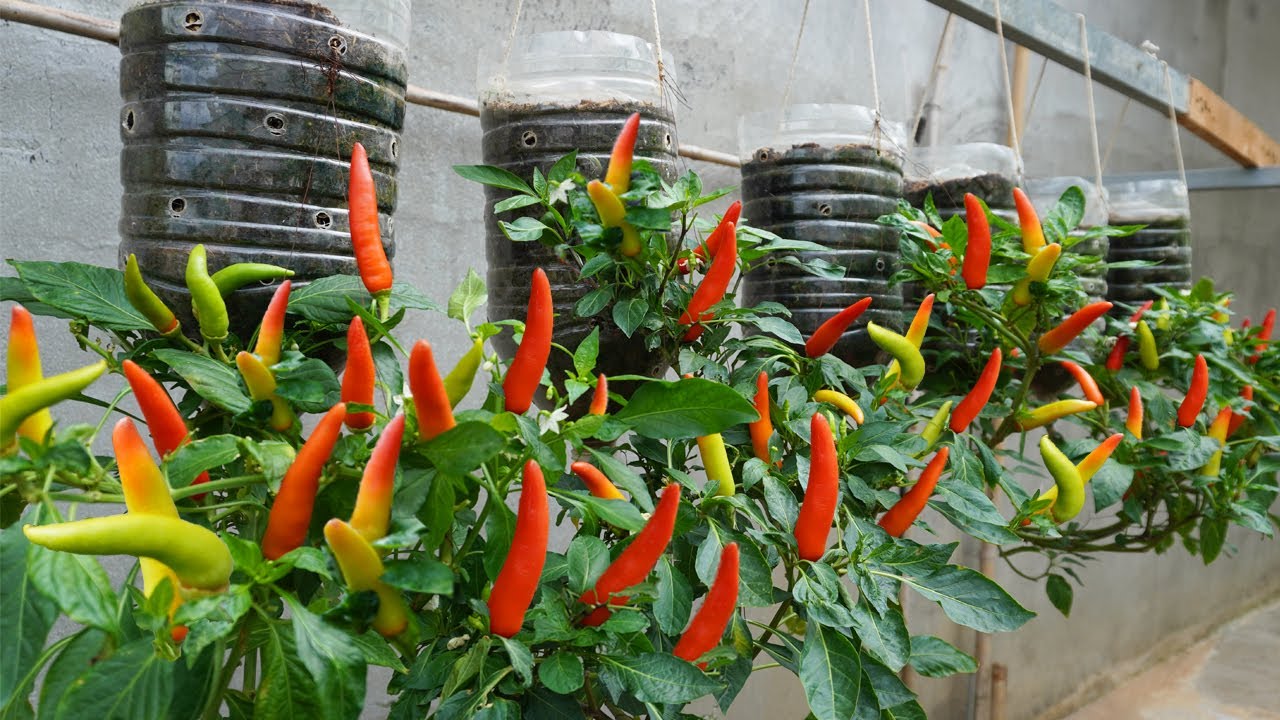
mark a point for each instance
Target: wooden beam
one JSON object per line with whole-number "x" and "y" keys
{"x": 1216, "y": 122}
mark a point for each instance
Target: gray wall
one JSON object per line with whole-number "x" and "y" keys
{"x": 59, "y": 151}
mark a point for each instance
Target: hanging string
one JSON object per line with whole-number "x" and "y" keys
{"x": 795, "y": 55}
{"x": 1093, "y": 116}
{"x": 1008, "y": 87}
{"x": 875, "y": 82}
{"x": 1173, "y": 123}
{"x": 511, "y": 34}
{"x": 1115, "y": 132}
{"x": 657, "y": 46}
{"x": 926, "y": 96}
{"x": 1035, "y": 92}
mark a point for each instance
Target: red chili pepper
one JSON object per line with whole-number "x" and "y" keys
{"x": 977, "y": 252}
{"x": 372, "y": 513}
{"x": 517, "y": 582}
{"x": 164, "y": 422}
{"x": 366, "y": 239}
{"x": 761, "y": 430}
{"x": 525, "y": 373}
{"x": 597, "y": 483}
{"x": 291, "y": 512}
{"x": 829, "y": 332}
{"x": 22, "y": 368}
{"x": 1086, "y": 381}
{"x": 635, "y": 562}
{"x": 712, "y": 245}
{"x": 713, "y": 286}
{"x": 430, "y": 398}
{"x": 271, "y": 334}
{"x": 707, "y": 627}
{"x": 600, "y": 399}
{"x": 1066, "y": 331}
{"x": 1198, "y": 391}
{"x": 618, "y": 175}
{"x": 977, "y": 398}
{"x": 1237, "y": 419}
{"x": 1094, "y": 461}
{"x": 1029, "y": 221}
{"x": 360, "y": 376}
{"x": 1133, "y": 423}
{"x": 1115, "y": 360}
{"x": 1142, "y": 310}
{"x": 821, "y": 495}
{"x": 1264, "y": 334}
{"x": 904, "y": 512}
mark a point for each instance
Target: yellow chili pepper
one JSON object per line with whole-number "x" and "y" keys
{"x": 1217, "y": 431}
{"x": 262, "y": 386}
{"x": 1038, "y": 270}
{"x": 613, "y": 214}
{"x": 843, "y": 403}
{"x": 362, "y": 569}
{"x": 716, "y": 461}
{"x": 1147, "y": 351}
{"x": 1046, "y": 414}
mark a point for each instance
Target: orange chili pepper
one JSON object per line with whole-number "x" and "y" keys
{"x": 597, "y": 483}
{"x": 600, "y": 399}
{"x": 713, "y": 286}
{"x": 525, "y": 373}
{"x": 271, "y": 334}
{"x": 636, "y": 561}
{"x": 517, "y": 582}
{"x": 372, "y": 514}
{"x": 977, "y": 253}
{"x": 762, "y": 429}
{"x": 291, "y": 512}
{"x": 366, "y": 238}
{"x": 1066, "y": 331}
{"x": 1029, "y": 221}
{"x": 1193, "y": 402}
{"x": 1087, "y": 384}
{"x": 972, "y": 404}
{"x": 1134, "y": 421}
{"x": 1237, "y": 419}
{"x": 618, "y": 174}
{"x": 821, "y": 495}
{"x": 830, "y": 331}
{"x": 165, "y": 424}
{"x": 22, "y": 368}
{"x": 430, "y": 399}
{"x": 903, "y": 514}
{"x": 360, "y": 376}
{"x": 707, "y": 627}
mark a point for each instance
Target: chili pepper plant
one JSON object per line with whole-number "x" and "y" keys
{"x": 509, "y": 558}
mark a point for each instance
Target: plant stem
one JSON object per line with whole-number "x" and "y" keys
{"x": 223, "y": 484}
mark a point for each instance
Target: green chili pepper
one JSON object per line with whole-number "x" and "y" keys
{"x": 206, "y": 301}
{"x": 458, "y": 382}
{"x": 1147, "y": 351}
{"x": 28, "y": 399}
{"x": 933, "y": 429}
{"x": 902, "y": 350}
{"x": 1066, "y": 479}
{"x": 233, "y": 277}
{"x": 144, "y": 300}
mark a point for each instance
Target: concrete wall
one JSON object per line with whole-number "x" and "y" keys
{"x": 59, "y": 152}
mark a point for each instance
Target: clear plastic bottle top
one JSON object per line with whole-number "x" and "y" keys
{"x": 1148, "y": 201}
{"x": 569, "y": 66}
{"x": 1044, "y": 194}
{"x": 826, "y": 124}
{"x": 940, "y": 163}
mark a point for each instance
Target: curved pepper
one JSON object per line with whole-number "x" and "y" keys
{"x": 597, "y": 483}
{"x": 206, "y": 301}
{"x": 144, "y": 300}
{"x": 900, "y": 517}
{"x": 1046, "y": 414}
{"x": 711, "y": 247}
{"x": 715, "y": 459}
{"x": 1115, "y": 360}
{"x": 907, "y": 355}
{"x": 1087, "y": 384}
{"x": 1191, "y": 405}
{"x": 714, "y": 284}
{"x": 1218, "y": 430}
{"x": 372, "y": 513}
{"x": 972, "y": 404}
{"x": 916, "y": 330}
{"x": 613, "y": 214}
{"x": 430, "y": 399}
{"x": 1133, "y": 421}
{"x": 22, "y": 368}
{"x": 1147, "y": 351}
{"x": 1237, "y": 419}
{"x": 360, "y": 377}
{"x": 1028, "y": 222}
{"x": 636, "y": 561}
{"x": 1038, "y": 270}
{"x": 525, "y": 373}
{"x": 362, "y": 569}
{"x": 24, "y": 402}
{"x": 262, "y": 386}
{"x": 165, "y": 424}
{"x": 1067, "y": 480}
{"x": 271, "y": 332}
{"x": 1264, "y": 335}
{"x": 366, "y": 238}
{"x": 821, "y": 495}
{"x": 291, "y": 512}
{"x": 762, "y": 428}
{"x": 1066, "y": 331}
{"x": 1142, "y": 310}
{"x": 233, "y": 277}
{"x": 618, "y": 174}
{"x": 459, "y": 380}
{"x": 517, "y": 581}
{"x": 198, "y": 556}
{"x": 600, "y": 398}
{"x": 843, "y": 402}
{"x": 1094, "y": 461}
{"x": 830, "y": 331}
{"x": 707, "y": 626}
{"x": 933, "y": 429}
{"x": 977, "y": 253}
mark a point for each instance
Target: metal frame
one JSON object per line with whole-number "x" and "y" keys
{"x": 1262, "y": 178}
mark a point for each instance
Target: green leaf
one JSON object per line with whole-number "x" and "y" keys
{"x": 593, "y": 302}
{"x": 83, "y": 291}
{"x": 376, "y": 651}
{"x": 1110, "y": 483}
{"x": 311, "y": 385}
{"x": 75, "y": 660}
{"x": 584, "y": 357}
{"x": 629, "y": 313}
{"x": 521, "y": 659}
{"x": 587, "y": 557}
{"x": 675, "y": 598}
{"x": 12, "y": 289}
{"x": 685, "y": 409}
{"x": 884, "y": 637}
{"x": 831, "y": 673}
{"x": 325, "y": 300}
{"x": 132, "y": 683}
{"x": 971, "y": 599}
{"x": 621, "y": 475}
{"x": 561, "y": 673}
{"x": 390, "y": 374}
{"x": 779, "y": 327}
{"x": 660, "y": 677}
{"x": 515, "y": 202}
{"x": 464, "y": 447}
{"x": 1213, "y": 535}
{"x": 971, "y": 502}
{"x": 286, "y": 691}
{"x": 1060, "y": 593}
{"x": 493, "y": 176}
{"x": 934, "y": 657}
{"x": 210, "y": 379}
{"x": 78, "y": 584}
{"x": 26, "y": 615}
{"x": 909, "y": 710}
{"x": 468, "y": 296}
{"x": 524, "y": 229}
{"x": 421, "y": 574}
{"x": 544, "y": 704}
{"x": 336, "y": 666}
{"x": 188, "y": 461}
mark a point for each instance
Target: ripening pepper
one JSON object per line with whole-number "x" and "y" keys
{"x": 372, "y": 514}
{"x": 1066, "y": 479}
{"x": 1264, "y": 336}
{"x": 22, "y": 368}
{"x": 972, "y": 404}
{"x": 903, "y": 514}
{"x": 714, "y": 284}
{"x": 1133, "y": 421}
{"x": 1054, "y": 411}
{"x": 144, "y": 300}
{"x": 636, "y": 561}
{"x": 430, "y": 399}
{"x": 977, "y": 253}
{"x": 761, "y": 429}
{"x": 1066, "y": 331}
{"x": 366, "y": 238}
{"x": 1218, "y": 430}
{"x": 360, "y": 376}
{"x": 600, "y": 398}
{"x": 206, "y": 301}
{"x": 1142, "y": 310}
{"x": 1087, "y": 468}
{"x": 908, "y": 356}
{"x": 1198, "y": 390}
{"x": 916, "y": 330}
{"x": 597, "y": 483}
{"x": 933, "y": 429}
{"x": 1148, "y": 353}
{"x": 707, "y": 626}
{"x": 291, "y": 512}
{"x": 22, "y": 403}
{"x": 830, "y": 331}
{"x": 1087, "y": 384}
{"x": 728, "y": 222}
{"x": 821, "y": 494}
{"x": 715, "y": 460}
{"x": 1038, "y": 270}
{"x": 459, "y": 380}
{"x": 517, "y": 581}
{"x": 843, "y": 403}
{"x": 271, "y": 333}
{"x": 1237, "y": 419}
{"x": 613, "y": 214}
{"x": 618, "y": 175}
{"x": 233, "y": 277}
{"x": 1028, "y": 222}
{"x": 525, "y": 373}
{"x": 262, "y": 386}
{"x": 362, "y": 570}
{"x": 167, "y": 428}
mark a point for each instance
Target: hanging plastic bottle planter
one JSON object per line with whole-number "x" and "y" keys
{"x": 1162, "y": 206}
{"x": 824, "y": 174}
{"x": 548, "y": 95}
{"x": 238, "y": 122}
{"x": 1044, "y": 194}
